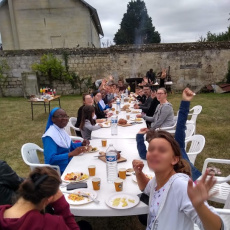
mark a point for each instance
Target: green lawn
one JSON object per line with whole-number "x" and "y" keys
{"x": 17, "y": 127}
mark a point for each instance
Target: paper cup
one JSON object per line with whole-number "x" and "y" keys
{"x": 96, "y": 183}
{"x": 103, "y": 143}
{"x": 122, "y": 173}
{"x": 118, "y": 185}
{"x": 92, "y": 170}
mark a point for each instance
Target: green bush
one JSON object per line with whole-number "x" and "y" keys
{"x": 50, "y": 67}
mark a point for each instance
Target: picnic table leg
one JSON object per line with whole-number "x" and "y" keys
{"x": 59, "y": 100}
{"x": 45, "y": 106}
{"x": 32, "y": 111}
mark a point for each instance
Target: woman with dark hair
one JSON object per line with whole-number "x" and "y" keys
{"x": 35, "y": 193}
{"x": 174, "y": 202}
{"x": 88, "y": 123}
{"x": 58, "y": 146}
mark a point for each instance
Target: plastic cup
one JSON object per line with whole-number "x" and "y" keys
{"x": 104, "y": 143}
{"x": 96, "y": 181}
{"x": 127, "y": 116}
{"x": 118, "y": 185}
{"x": 122, "y": 173}
{"x": 92, "y": 170}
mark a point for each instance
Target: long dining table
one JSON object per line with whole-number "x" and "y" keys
{"x": 123, "y": 132}
{"x": 80, "y": 164}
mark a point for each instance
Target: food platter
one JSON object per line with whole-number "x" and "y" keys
{"x": 148, "y": 175}
{"x": 75, "y": 177}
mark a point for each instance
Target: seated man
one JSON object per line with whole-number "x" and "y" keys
{"x": 179, "y": 135}
{"x": 99, "y": 112}
{"x": 164, "y": 115}
{"x": 141, "y": 97}
{"x": 9, "y": 183}
{"x": 121, "y": 85}
{"x": 147, "y": 92}
{"x": 87, "y": 100}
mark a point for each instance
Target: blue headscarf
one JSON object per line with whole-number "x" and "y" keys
{"x": 50, "y": 122}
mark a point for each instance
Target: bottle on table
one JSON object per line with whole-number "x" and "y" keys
{"x": 111, "y": 164}
{"x": 127, "y": 91}
{"x": 114, "y": 120}
{"x": 118, "y": 105}
{"x": 122, "y": 98}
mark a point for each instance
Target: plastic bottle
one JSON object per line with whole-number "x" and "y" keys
{"x": 111, "y": 164}
{"x": 122, "y": 98}
{"x": 127, "y": 91}
{"x": 114, "y": 119}
{"x": 118, "y": 105}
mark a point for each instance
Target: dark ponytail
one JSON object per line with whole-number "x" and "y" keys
{"x": 42, "y": 182}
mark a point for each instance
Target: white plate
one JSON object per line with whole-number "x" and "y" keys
{"x": 77, "y": 180}
{"x": 105, "y": 125}
{"x": 80, "y": 191}
{"x": 136, "y": 111}
{"x": 109, "y": 201}
{"x": 94, "y": 151}
{"x": 140, "y": 121}
{"x": 149, "y": 175}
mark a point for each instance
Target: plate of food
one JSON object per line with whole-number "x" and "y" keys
{"x": 136, "y": 111}
{"x": 137, "y": 120}
{"x": 92, "y": 149}
{"x": 106, "y": 124}
{"x": 80, "y": 196}
{"x": 122, "y": 201}
{"x": 148, "y": 175}
{"x": 75, "y": 176}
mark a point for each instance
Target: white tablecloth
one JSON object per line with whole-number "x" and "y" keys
{"x": 81, "y": 163}
{"x": 123, "y": 132}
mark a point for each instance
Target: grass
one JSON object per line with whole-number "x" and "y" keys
{"x": 17, "y": 128}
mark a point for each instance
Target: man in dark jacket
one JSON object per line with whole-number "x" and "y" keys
{"x": 145, "y": 107}
{"x": 151, "y": 76}
{"x": 9, "y": 183}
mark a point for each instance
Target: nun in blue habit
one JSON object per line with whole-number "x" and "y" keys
{"x": 58, "y": 146}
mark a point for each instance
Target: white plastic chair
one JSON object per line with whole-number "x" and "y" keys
{"x": 190, "y": 129}
{"x": 222, "y": 187}
{"x": 223, "y": 213}
{"x": 196, "y": 111}
{"x": 196, "y": 147}
{"x": 30, "y": 157}
{"x": 170, "y": 129}
{"x": 71, "y": 125}
{"x": 76, "y": 138}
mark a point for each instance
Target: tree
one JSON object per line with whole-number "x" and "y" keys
{"x": 212, "y": 37}
{"x": 136, "y": 26}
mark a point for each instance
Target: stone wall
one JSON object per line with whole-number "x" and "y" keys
{"x": 196, "y": 64}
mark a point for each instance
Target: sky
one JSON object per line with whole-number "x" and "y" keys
{"x": 175, "y": 20}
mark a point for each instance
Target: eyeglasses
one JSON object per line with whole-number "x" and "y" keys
{"x": 62, "y": 117}
{"x": 160, "y": 93}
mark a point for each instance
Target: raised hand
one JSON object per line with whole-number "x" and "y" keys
{"x": 199, "y": 193}
{"x": 138, "y": 166}
{"x": 187, "y": 95}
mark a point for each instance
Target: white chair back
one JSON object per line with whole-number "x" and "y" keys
{"x": 197, "y": 145}
{"x": 73, "y": 121}
{"x": 30, "y": 157}
{"x": 190, "y": 129}
{"x": 196, "y": 111}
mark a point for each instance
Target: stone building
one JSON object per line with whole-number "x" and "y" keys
{"x": 44, "y": 24}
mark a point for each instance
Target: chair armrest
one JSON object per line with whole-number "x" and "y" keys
{"x": 75, "y": 138}
{"x": 213, "y": 160}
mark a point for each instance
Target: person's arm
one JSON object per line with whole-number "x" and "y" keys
{"x": 166, "y": 110}
{"x": 141, "y": 146}
{"x": 147, "y": 118}
{"x": 91, "y": 127}
{"x": 61, "y": 208}
{"x": 9, "y": 177}
{"x": 145, "y": 107}
{"x": 142, "y": 180}
{"x": 198, "y": 194}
